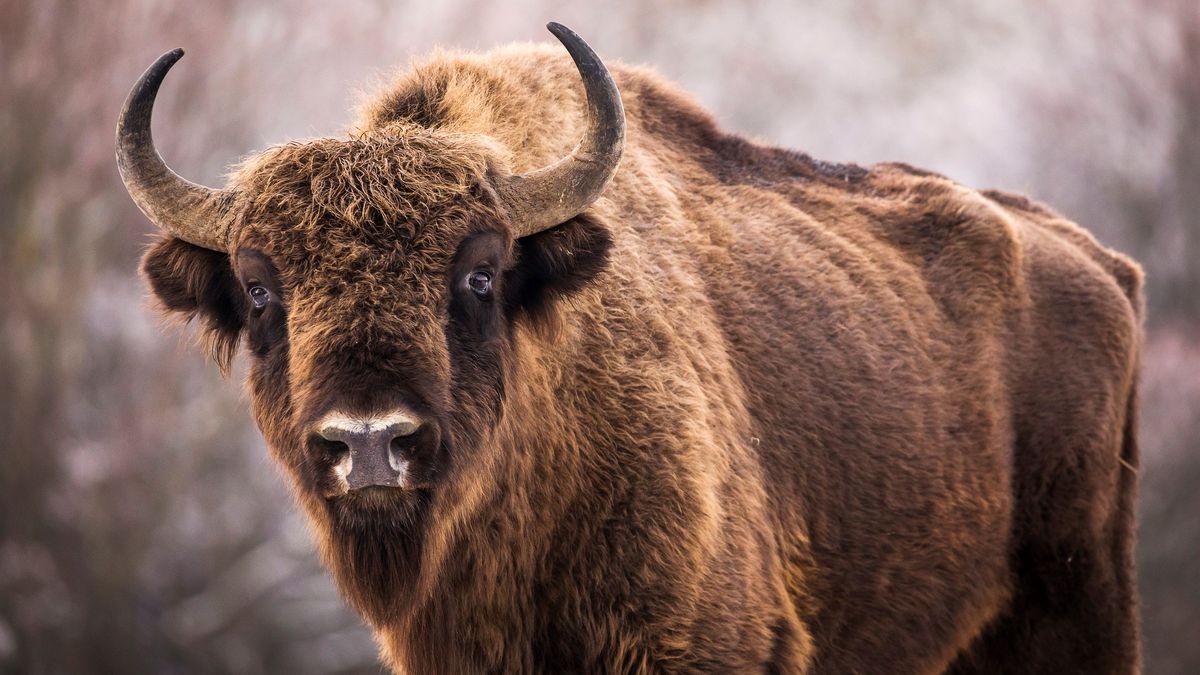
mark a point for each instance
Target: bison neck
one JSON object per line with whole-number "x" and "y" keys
{"x": 588, "y": 539}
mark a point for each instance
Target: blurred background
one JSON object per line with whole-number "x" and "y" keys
{"x": 142, "y": 527}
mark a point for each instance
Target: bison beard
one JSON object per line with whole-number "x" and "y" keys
{"x": 745, "y": 412}
{"x": 375, "y": 543}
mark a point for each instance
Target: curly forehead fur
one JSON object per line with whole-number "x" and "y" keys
{"x": 395, "y": 183}
{"x": 799, "y": 417}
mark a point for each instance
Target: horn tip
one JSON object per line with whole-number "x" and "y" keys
{"x": 168, "y": 59}
{"x": 558, "y": 29}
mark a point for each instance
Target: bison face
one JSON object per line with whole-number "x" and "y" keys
{"x": 380, "y": 283}
{"x": 382, "y": 328}
{"x": 380, "y": 307}
{"x": 377, "y": 316}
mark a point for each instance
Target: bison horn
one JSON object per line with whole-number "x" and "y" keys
{"x": 194, "y": 213}
{"x": 554, "y": 194}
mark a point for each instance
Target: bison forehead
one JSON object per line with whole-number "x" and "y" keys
{"x": 371, "y": 299}
{"x": 369, "y": 197}
{"x": 352, "y": 293}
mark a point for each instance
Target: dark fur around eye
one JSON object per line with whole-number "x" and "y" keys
{"x": 476, "y": 274}
{"x": 267, "y": 329}
{"x": 266, "y": 322}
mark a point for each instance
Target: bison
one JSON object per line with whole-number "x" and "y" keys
{"x": 664, "y": 399}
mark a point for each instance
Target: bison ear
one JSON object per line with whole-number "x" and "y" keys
{"x": 559, "y": 261}
{"x": 197, "y": 282}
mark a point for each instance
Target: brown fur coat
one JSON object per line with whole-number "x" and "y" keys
{"x": 751, "y": 412}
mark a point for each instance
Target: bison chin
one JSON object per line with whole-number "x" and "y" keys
{"x": 375, "y": 545}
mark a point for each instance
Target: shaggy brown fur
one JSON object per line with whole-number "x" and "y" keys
{"x": 751, "y": 412}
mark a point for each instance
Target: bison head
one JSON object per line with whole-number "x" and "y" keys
{"x": 378, "y": 282}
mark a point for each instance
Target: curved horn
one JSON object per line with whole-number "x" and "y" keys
{"x": 194, "y": 213}
{"x": 554, "y": 194}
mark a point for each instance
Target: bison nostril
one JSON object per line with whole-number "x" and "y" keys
{"x": 397, "y": 454}
{"x": 404, "y": 428}
{"x": 327, "y": 444}
{"x": 403, "y": 446}
{"x": 328, "y": 448}
{"x": 333, "y": 451}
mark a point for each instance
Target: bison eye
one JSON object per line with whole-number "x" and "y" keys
{"x": 260, "y": 296}
{"x": 480, "y": 282}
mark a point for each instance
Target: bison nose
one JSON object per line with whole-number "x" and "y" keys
{"x": 375, "y": 445}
